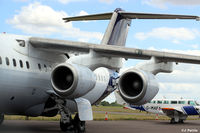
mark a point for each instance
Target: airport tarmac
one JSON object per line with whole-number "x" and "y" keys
{"x": 132, "y": 126}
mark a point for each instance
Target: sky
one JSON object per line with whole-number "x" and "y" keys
{"x": 43, "y": 18}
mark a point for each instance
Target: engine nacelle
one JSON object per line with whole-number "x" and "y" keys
{"x": 137, "y": 87}
{"x": 72, "y": 81}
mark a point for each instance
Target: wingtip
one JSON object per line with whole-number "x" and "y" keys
{"x": 66, "y": 20}
{"x": 198, "y": 18}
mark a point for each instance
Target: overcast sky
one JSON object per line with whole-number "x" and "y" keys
{"x": 43, "y": 18}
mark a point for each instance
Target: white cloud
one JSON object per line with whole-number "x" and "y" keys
{"x": 111, "y": 1}
{"x": 173, "y": 34}
{"x": 82, "y": 13}
{"x": 43, "y": 20}
{"x": 163, "y": 3}
{"x": 106, "y": 1}
{"x": 69, "y": 1}
{"x": 189, "y": 52}
{"x": 195, "y": 46}
{"x": 178, "y": 90}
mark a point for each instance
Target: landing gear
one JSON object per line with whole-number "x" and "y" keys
{"x": 67, "y": 124}
{"x": 180, "y": 121}
{"x": 1, "y": 118}
{"x": 172, "y": 121}
{"x": 79, "y": 125}
{"x": 74, "y": 125}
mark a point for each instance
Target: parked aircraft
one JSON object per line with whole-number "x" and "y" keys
{"x": 177, "y": 109}
{"x": 38, "y": 77}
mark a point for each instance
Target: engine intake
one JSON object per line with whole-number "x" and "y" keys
{"x": 72, "y": 81}
{"x": 137, "y": 86}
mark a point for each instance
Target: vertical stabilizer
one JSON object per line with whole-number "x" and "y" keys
{"x": 117, "y": 30}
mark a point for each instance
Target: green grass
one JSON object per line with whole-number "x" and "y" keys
{"x": 114, "y": 109}
{"x": 101, "y": 116}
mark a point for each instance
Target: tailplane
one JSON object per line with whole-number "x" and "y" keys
{"x": 117, "y": 30}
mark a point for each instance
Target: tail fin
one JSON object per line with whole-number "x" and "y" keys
{"x": 117, "y": 30}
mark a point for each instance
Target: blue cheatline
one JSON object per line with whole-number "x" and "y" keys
{"x": 190, "y": 110}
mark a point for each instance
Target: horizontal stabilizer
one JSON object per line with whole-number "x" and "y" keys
{"x": 130, "y": 15}
{"x": 103, "y": 16}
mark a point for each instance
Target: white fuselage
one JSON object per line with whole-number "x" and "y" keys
{"x": 25, "y": 77}
{"x": 161, "y": 106}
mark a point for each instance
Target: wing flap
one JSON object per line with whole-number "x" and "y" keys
{"x": 62, "y": 46}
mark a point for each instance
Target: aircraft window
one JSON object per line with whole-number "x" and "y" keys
{"x": 191, "y": 102}
{"x": 21, "y": 43}
{"x": 50, "y": 67}
{"x": 7, "y": 61}
{"x": 154, "y": 101}
{"x": 173, "y": 102}
{"x": 39, "y": 66}
{"x": 0, "y": 60}
{"x": 27, "y": 65}
{"x": 14, "y": 63}
{"x": 181, "y": 102}
{"x": 45, "y": 67}
{"x": 159, "y": 102}
{"x": 166, "y": 102}
{"x": 21, "y": 63}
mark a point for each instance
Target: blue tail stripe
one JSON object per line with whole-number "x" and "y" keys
{"x": 190, "y": 110}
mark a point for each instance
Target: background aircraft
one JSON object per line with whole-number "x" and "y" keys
{"x": 177, "y": 109}
{"x": 41, "y": 77}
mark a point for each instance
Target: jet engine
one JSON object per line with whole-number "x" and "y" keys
{"x": 137, "y": 86}
{"x": 72, "y": 81}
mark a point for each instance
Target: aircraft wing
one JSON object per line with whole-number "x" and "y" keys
{"x": 171, "y": 111}
{"x": 62, "y": 46}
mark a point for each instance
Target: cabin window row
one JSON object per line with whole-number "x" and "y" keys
{"x": 21, "y": 64}
{"x": 44, "y": 66}
{"x": 14, "y": 62}
{"x": 173, "y": 102}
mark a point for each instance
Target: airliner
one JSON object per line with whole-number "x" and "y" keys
{"x": 176, "y": 109}
{"x": 45, "y": 77}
